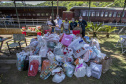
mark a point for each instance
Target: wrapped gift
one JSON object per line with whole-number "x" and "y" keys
{"x": 76, "y": 32}
{"x": 20, "y": 60}
{"x": 24, "y": 32}
{"x": 39, "y": 33}
{"x": 61, "y": 37}
{"x": 67, "y": 39}
{"x": 46, "y": 73}
{"x": 45, "y": 65}
{"x": 33, "y": 68}
{"x": 36, "y": 57}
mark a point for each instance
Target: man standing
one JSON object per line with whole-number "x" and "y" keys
{"x": 58, "y": 23}
{"x": 82, "y": 23}
{"x": 73, "y": 24}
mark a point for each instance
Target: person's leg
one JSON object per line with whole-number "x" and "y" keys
{"x": 64, "y": 31}
{"x": 71, "y": 32}
{"x": 52, "y": 30}
{"x": 83, "y": 33}
{"x": 67, "y": 31}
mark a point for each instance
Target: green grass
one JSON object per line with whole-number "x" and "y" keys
{"x": 116, "y": 74}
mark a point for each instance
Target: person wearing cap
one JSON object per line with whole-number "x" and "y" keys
{"x": 73, "y": 24}
{"x": 82, "y": 23}
{"x": 58, "y": 23}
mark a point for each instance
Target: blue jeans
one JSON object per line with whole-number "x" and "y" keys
{"x": 52, "y": 30}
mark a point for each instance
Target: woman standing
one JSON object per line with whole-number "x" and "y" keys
{"x": 51, "y": 24}
{"x": 66, "y": 26}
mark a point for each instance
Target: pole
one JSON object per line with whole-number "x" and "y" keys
{"x": 52, "y": 10}
{"x": 57, "y": 8}
{"x": 123, "y": 11}
{"x": 17, "y": 13}
{"x": 89, "y": 10}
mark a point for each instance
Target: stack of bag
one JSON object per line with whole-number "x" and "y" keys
{"x": 61, "y": 55}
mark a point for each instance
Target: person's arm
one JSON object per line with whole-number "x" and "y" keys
{"x": 86, "y": 24}
{"x": 63, "y": 25}
{"x": 60, "y": 24}
{"x": 69, "y": 26}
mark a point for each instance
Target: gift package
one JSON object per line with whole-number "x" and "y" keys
{"x": 63, "y": 56}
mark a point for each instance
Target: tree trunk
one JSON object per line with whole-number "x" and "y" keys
{"x": 107, "y": 35}
{"x": 94, "y": 34}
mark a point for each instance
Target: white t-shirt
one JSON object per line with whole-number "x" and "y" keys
{"x": 58, "y": 22}
{"x": 66, "y": 25}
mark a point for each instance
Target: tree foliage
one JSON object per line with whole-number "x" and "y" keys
{"x": 70, "y": 4}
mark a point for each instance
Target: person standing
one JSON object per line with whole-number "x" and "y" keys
{"x": 82, "y": 23}
{"x": 73, "y": 24}
{"x": 58, "y": 23}
{"x": 66, "y": 26}
{"x": 51, "y": 24}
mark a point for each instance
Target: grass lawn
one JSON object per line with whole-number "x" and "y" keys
{"x": 116, "y": 74}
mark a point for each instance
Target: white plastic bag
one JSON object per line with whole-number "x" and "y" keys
{"x": 94, "y": 42}
{"x": 52, "y": 37}
{"x": 88, "y": 73}
{"x": 68, "y": 51}
{"x": 58, "y": 78}
{"x": 76, "y": 44}
{"x": 69, "y": 59}
{"x": 41, "y": 41}
{"x": 57, "y": 70}
{"x": 79, "y": 52}
{"x": 61, "y": 58}
{"x": 58, "y": 49}
{"x": 34, "y": 43}
{"x": 43, "y": 51}
{"x": 80, "y": 70}
{"x": 69, "y": 69}
{"x": 51, "y": 56}
{"x": 96, "y": 70}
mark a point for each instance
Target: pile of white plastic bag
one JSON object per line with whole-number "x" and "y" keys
{"x": 61, "y": 55}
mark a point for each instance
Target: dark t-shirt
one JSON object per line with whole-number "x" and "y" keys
{"x": 72, "y": 25}
{"x": 82, "y": 24}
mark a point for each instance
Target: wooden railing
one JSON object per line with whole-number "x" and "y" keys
{"x": 13, "y": 21}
